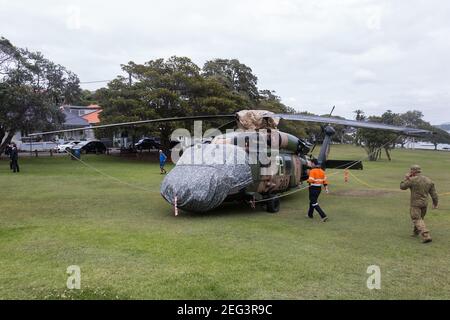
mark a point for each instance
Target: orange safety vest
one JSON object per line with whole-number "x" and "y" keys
{"x": 317, "y": 177}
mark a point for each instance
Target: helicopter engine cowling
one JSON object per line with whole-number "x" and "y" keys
{"x": 205, "y": 175}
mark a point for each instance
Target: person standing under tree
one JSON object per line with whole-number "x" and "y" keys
{"x": 162, "y": 161}
{"x": 14, "y": 158}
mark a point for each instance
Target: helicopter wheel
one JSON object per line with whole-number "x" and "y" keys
{"x": 273, "y": 205}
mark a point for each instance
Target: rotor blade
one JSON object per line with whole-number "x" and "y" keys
{"x": 351, "y": 123}
{"x": 135, "y": 123}
{"x": 228, "y": 125}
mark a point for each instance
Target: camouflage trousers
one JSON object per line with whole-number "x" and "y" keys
{"x": 417, "y": 216}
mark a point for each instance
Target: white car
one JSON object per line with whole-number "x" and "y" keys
{"x": 66, "y": 146}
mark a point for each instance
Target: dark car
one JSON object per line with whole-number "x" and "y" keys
{"x": 91, "y": 147}
{"x": 147, "y": 143}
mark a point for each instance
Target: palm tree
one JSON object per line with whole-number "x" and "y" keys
{"x": 359, "y": 114}
{"x": 359, "y": 117}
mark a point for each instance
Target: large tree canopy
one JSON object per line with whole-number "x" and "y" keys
{"x": 163, "y": 88}
{"x": 234, "y": 75}
{"x": 31, "y": 90}
{"x": 178, "y": 87}
{"x": 375, "y": 140}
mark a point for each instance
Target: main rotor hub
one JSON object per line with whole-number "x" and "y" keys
{"x": 256, "y": 120}
{"x": 329, "y": 130}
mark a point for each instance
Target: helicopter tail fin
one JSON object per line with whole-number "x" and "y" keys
{"x": 325, "y": 149}
{"x": 334, "y": 164}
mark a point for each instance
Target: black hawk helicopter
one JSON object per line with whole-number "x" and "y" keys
{"x": 256, "y": 162}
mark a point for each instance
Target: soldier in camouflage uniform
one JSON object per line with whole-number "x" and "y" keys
{"x": 420, "y": 187}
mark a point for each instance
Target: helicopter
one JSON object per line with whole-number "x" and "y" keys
{"x": 252, "y": 162}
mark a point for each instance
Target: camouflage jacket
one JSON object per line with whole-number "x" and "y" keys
{"x": 420, "y": 187}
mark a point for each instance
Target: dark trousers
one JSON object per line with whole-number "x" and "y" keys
{"x": 314, "y": 193}
{"x": 15, "y": 165}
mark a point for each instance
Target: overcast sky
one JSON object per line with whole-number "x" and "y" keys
{"x": 371, "y": 55}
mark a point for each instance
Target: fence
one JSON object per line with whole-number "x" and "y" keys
{"x": 39, "y": 146}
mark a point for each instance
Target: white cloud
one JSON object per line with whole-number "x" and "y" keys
{"x": 362, "y": 76}
{"x": 365, "y": 54}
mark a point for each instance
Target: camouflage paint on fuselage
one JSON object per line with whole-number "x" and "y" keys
{"x": 272, "y": 173}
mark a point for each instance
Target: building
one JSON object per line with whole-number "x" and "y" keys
{"x": 75, "y": 117}
{"x": 79, "y": 116}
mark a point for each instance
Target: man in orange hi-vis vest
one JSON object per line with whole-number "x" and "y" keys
{"x": 316, "y": 180}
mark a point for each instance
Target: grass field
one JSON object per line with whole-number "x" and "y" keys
{"x": 129, "y": 245}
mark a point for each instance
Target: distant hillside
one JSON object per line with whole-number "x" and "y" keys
{"x": 444, "y": 126}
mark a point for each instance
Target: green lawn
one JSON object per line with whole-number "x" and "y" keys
{"x": 129, "y": 245}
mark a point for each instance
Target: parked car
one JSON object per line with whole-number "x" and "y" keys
{"x": 66, "y": 146}
{"x": 93, "y": 146}
{"x": 147, "y": 143}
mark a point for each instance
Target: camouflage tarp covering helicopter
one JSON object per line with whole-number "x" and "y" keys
{"x": 254, "y": 162}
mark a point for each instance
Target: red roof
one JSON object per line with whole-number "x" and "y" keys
{"x": 92, "y": 117}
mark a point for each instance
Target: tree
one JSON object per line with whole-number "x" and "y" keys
{"x": 413, "y": 119}
{"x": 375, "y": 140}
{"x": 86, "y": 98}
{"x": 359, "y": 115}
{"x": 394, "y": 119}
{"x": 31, "y": 89}
{"x": 233, "y": 75}
{"x": 439, "y": 136}
{"x": 165, "y": 88}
